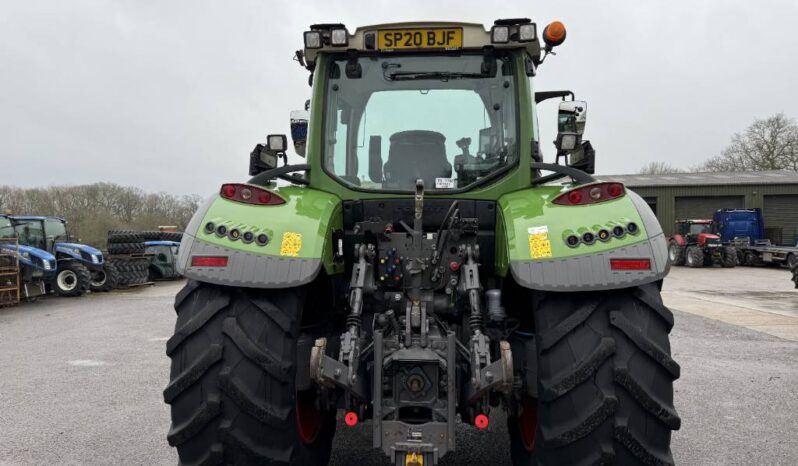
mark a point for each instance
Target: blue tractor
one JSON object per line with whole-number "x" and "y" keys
{"x": 80, "y": 267}
{"x": 37, "y": 266}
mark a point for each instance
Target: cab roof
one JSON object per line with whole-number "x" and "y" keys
{"x": 34, "y": 217}
{"x": 364, "y": 39}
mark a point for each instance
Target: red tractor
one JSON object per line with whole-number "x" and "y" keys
{"x": 695, "y": 245}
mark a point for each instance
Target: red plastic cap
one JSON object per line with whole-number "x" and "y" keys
{"x": 481, "y": 421}
{"x": 350, "y": 418}
{"x": 455, "y": 266}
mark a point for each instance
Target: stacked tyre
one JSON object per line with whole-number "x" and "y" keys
{"x": 131, "y": 270}
{"x": 125, "y": 255}
{"x": 161, "y": 235}
{"x": 125, "y": 242}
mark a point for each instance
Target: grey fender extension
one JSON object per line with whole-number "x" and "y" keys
{"x": 245, "y": 269}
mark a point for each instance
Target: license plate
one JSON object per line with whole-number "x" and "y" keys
{"x": 414, "y": 39}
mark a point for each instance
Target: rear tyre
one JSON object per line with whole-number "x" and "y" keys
{"x": 72, "y": 279}
{"x": 104, "y": 279}
{"x": 605, "y": 378}
{"x": 675, "y": 253}
{"x": 694, "y": 256}
{"x": 232, "y": 385}
{"x": 729, "y": 256}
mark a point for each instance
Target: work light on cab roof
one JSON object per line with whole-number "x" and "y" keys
{"x": 430, "y": 36}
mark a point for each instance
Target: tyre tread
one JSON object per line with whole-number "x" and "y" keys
{"x": 193, "y": 373}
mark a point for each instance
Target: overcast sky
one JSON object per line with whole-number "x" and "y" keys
{"x": 172, "y": 95}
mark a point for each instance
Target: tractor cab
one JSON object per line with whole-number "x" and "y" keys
{"x": 164, "y": 257}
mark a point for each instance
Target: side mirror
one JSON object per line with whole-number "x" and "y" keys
{"x": 375, "y": 159}
{"x": 299, "y": 130}
{"x": 572, "y": 116}
{"x": 265, "y": 157}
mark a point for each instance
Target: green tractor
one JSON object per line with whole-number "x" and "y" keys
{"x": 424, "y": 265}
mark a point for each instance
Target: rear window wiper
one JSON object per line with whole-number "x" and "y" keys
{"x": 441, "y": 75}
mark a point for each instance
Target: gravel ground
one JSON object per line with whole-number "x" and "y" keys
{"x": 81, "y": 382}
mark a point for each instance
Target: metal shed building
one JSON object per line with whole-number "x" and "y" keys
{"x": 698, "y": 195}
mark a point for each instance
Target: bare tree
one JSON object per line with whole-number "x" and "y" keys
{"x": 658, "y": 168}
{"x": 92, "y": 210}
{"x": 769, "y": 144}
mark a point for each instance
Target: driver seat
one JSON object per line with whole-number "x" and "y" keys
{"x": 416, "y": 154}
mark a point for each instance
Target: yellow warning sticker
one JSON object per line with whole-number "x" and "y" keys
{"x": 539, "y": 244}
{"x": 291, "y": 244}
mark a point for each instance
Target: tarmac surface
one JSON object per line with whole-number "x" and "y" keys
{"x": 81, "y": 379}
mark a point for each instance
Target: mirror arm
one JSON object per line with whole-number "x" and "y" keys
{"x": 546, "y": 95}
{"x": 281, "y": 172}
{"x": 560, "y": 171}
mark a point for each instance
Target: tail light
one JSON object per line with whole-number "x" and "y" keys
{"x": 630, "y": 264}
{"x": 249, "y": 194}
{"x": 591, "y": 194}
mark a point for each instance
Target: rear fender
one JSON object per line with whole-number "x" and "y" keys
{"x": 532, "y": 248}
{"x": 299, "y": 232}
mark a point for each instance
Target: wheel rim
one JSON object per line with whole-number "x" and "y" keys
{"x": 308, "y": 416}
{"x": 100, "y": 281}
{"x": 67, "y": 280}
{"x": 672, "y": 252}
{"x": 690, "y": 260}
{"x": 528, "y": 423}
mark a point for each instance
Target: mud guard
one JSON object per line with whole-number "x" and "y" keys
{"x": 532, "y": 247}
{"x": 299, "y": 243}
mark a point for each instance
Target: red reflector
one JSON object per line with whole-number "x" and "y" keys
{"x": 350, "y": 418}
{"x": 481, "y": 421}
{"x": 630, "y": 264}
{"x": 455, "y": 266}
{"x": 209, "y": 261}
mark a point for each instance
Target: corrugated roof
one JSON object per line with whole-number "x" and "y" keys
{"x": 706, "y": 178}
